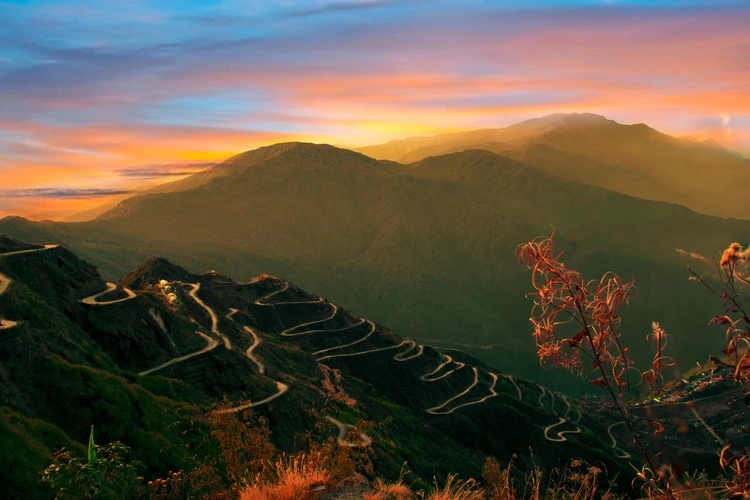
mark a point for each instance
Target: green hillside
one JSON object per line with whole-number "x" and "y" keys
{"x": 265, "y": 345}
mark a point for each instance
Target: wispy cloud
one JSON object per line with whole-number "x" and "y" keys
{"x": 113, "y": 94}
{"x": 60, "y": 193}
{"x": 160, "y": 171}
{"x": 336, "y": 7}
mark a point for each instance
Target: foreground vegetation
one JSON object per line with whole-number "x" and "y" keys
{"x": 576, "y": 327}
{"x": 250, "y": 468}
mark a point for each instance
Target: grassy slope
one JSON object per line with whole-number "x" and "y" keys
{"x": 58, "y": 380}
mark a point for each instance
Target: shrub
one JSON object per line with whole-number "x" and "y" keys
{"x": 576, "y": 323}
{"x": 296, "y": 476}
{"x": 108, "y": 475}
{"x": 456, "y": 489}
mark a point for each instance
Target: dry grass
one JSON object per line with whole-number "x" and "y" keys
{"x": 388, "y": 491}
{"x": 456, "y": 489}
{"x": 396, "y": 490}
{"x": 296, "y": 476}
{"x": 577, "y": 480}
{"x": 498, "y": 480}
{"x": 244, "y": 441}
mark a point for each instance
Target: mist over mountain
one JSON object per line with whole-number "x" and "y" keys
{"x": 630, "y": 159}
{"x": 427, "y": 247}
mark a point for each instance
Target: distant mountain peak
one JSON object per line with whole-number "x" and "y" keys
{"x": 284, "y": 149}
{"x": 555, "y": 120}
{"x": 573, "y": 118}
{"x": 291, "y": 156}
{"x": 10, "y": 218}
{"x": 287, "y": 153}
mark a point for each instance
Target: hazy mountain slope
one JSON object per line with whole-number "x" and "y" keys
{"x": 93, "y": 213}
{"x": 417, "y": 148}
{"x": 429, "y": 247}
{"x": 631, "y": 159}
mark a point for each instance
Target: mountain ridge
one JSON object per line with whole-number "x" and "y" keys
{"x": 428, "y": 247}
{"x": 649, "y": 163}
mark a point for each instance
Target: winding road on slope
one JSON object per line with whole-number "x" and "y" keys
{"x": 211, "y": 344}
{"x": 344, "y": 431}
{"x": 285, "y": 333}
{"x": 5, "y": 281}
{"x": 558, "y": 436}
{"x": 619, "y": 452}
{"x": 259, "y": 302}
{"x": 412, "y": 351}
{"x": 281, "y": 388}
{"x": 344, "y": 346}
{"x": 359, "y": 353}
{"x": 430, "y": 377}
{"x": 194, "y": 287}
{"x": 438, "y": 410}
{"x": 91, "y": 301}
{"x": 249, "y": 352}
{"x": 293, "y": 331}
{"x": 32, "y": 250}
{"x": 4, "y": 284}
{"x": 405, "y": 356}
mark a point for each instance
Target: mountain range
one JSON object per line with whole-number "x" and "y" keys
{"x": 631, "y": 159}
{"x": 428, "y": 247}
{"x": 423, "y": 240}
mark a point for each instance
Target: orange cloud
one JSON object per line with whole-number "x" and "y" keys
{"x": 202, "y": 100}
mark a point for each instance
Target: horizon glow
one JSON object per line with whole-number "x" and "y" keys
{"x": 104, "y": 98}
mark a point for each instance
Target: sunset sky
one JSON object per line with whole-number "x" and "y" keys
{"x": 99, "y": 98}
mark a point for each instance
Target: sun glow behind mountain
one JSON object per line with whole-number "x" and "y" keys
{"x": 101, "y": 99}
